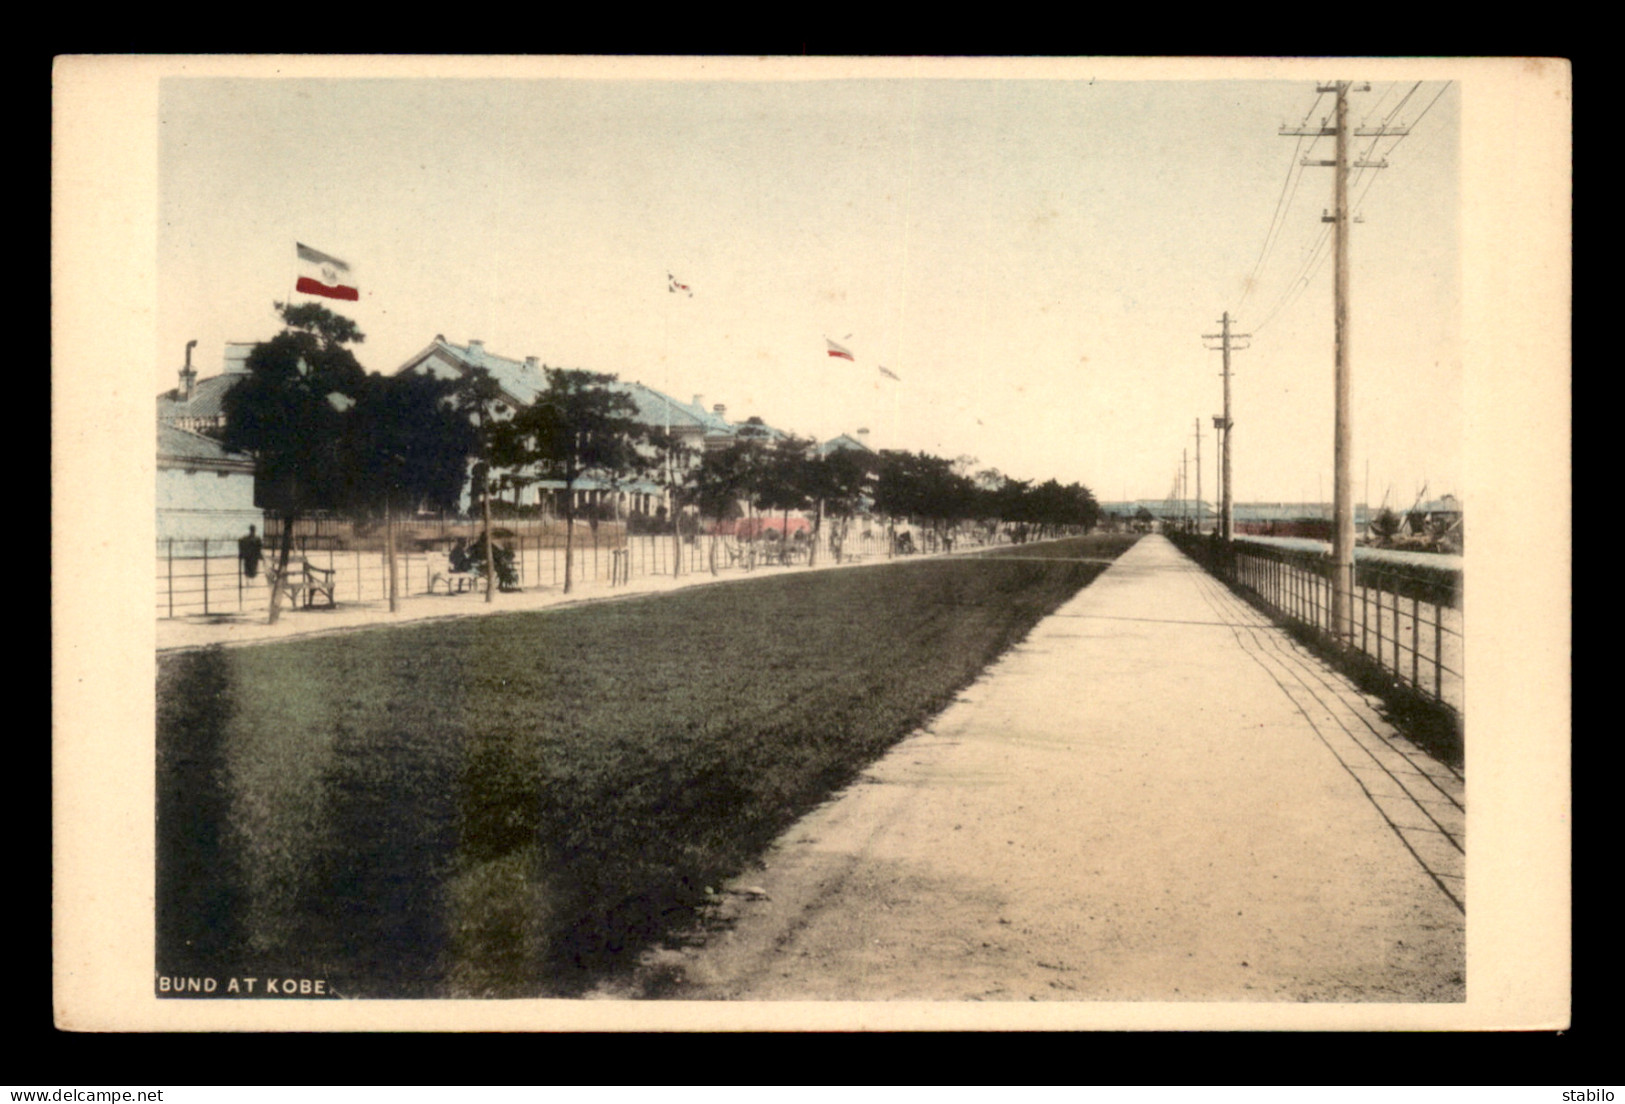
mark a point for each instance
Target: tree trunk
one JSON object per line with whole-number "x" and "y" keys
{"x": 389, "y": 553}
{"x": 282, "y": 568}
{"x": 569, "y": 533}
{"x": 490, "y": 545}
{"x": 676, "y": 538}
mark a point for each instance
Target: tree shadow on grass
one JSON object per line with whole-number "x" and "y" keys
{"x": 197, "y": 904}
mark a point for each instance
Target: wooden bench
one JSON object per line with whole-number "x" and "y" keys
{"x": 303, "y": 580}
{"x": 457, "y": 582}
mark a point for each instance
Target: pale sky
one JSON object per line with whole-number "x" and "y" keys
{"x": 1036, "y": 259}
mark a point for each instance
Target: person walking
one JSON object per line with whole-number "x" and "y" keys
{"x": 249, "y": 550}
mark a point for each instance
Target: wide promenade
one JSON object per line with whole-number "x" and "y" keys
{"x": 1157, "y": 796}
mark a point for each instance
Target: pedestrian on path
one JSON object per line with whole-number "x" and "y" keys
{"x": 249, "y": 550}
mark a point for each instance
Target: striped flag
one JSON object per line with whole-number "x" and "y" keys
{"x": 673, "y": 286}
{"x": 889, "y": 374}
{"x": 324, "y": 275}
{"x": 838, "y": 351}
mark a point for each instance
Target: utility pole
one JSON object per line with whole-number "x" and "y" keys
{"x": 1226, "y": 506}
{"x": 1342, "y": 445}
{"x": 1184, "y": 485}
{"x": 1198, "y": 476}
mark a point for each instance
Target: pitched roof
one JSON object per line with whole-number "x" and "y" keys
{"x": 523, "y": 384}
{"x": 844, "y": 441}
{"x": 518, "y": 380}
{"x": 659, "y": 409}
{"x": 206, "y": 401}
{"x": 183, "y": 448}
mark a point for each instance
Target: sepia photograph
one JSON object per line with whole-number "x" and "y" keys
{"x": 811, "y": 543}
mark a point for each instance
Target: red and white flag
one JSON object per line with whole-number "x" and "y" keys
{"x": 838, "y": 351}
{"x": 324, "y": 275}
{"x": 673, "y": 285}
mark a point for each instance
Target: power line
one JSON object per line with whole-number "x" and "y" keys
{"x": 1429, "y": 107}
{"x": 1272, "y": 236}
{"x": 1317, "y": 260}
{"x": 1300, "y": 281}
{"x": 1275, "y": 219}
{"x": 1386, "y": 92}
{"x": 1389, "y": 117}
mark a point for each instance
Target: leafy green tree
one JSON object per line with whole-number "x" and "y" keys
{"x": 290, "y": 413}
{"x": 717, "y": 485}
{"x": 407, "y": 447}
{"x": 479, "y": 400}
{"x": 579, "y": 427}
{"x": 784, "y": 478}
{"x": 670, "y": 463}
{"x": 923, "y": 488}
{"x": 842, "y": 481}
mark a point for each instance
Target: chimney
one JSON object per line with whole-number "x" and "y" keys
{"x": 720, "y": 410}
{"x": 188, "y": 374}
{"x": 532, "y": 364}
{"x": 863, "y": 435}
{"x": 476, "y": 349}
{"x": 699, "y": 402}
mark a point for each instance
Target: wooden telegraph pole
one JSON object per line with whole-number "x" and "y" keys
{"x": 1199, "y": 507}
{"x": 1224, "y": 425}
{"x": 1340, "y": 218}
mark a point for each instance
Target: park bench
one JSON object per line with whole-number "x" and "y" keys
{"x": 304, "y": 580}
{"x": 440, "y": 572}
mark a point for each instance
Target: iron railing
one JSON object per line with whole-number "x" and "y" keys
{"x": 1404, "y": 617}
{"x": 205, "y": 577}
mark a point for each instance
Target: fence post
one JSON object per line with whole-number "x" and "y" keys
{"x": 1365, "y": 603}
{"x": 1396, "y": 632}
{"x": 1378, "y": 580}
{"x": 171, "y": 587}
{"x": 205, "y": 576}
{"x": 1416, "y": 642}
{"x": 1438, "y": 652}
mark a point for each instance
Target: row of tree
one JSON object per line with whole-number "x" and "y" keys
{"x": 325, "y": 434}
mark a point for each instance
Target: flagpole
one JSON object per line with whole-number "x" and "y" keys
{"x": 671, "y": 491}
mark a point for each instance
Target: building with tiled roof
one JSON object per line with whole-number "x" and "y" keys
{"x": 204, "y": 492}
{"x": 522, "y": 381}
{"x": 860, "y": 443}
{"x": 199, "y": 404}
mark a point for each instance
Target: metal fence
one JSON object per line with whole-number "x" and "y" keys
{"x": 1405, "y": 614}
{"x": 205, "y": 578}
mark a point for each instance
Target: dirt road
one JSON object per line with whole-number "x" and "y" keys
{"x": 1157, "y": 796}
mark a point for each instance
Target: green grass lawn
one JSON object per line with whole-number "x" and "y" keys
{"x": 512, "y": 805}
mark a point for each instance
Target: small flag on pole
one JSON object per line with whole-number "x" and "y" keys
{"x": 889, "y": 374}
{"x": 674, "y": 286}
{"x": 838, "y": 351}
{"x": 324, "y": 275}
